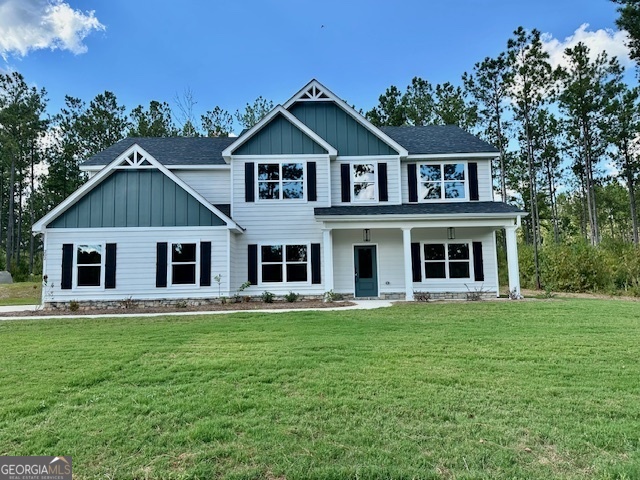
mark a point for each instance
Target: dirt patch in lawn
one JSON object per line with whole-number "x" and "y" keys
{"x": 230, "y": 307}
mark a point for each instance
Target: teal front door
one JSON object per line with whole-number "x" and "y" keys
{"x": 366, "y": 274}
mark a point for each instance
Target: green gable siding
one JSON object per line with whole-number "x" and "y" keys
{"x": 339, "y": 129}
{"x": 279, "y": 137}
{"x": 137, "y": 198}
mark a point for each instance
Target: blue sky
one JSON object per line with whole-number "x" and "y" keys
{"x": 230, "y": 51}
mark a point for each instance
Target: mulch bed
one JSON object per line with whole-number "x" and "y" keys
{"x": 230, "y": 307}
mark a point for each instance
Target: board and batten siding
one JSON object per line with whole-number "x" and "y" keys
{"x": 340, "y": 129}
{"x": 135, "y": 263}
{"x": 485, "y": 182}
{"x": 213, "y": 185}
{"x": 136, "y": 198}
{"x": 393, "y": 180}
{"x": 276, "y": 222}
{"x": 280, "y": 137}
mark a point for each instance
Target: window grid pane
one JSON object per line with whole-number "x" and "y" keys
{"x": 442, "y": 181}
{"x": 447, "y": 261}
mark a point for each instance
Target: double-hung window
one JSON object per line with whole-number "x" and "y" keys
{"x": 442, "y": 181}
{"x": 284, "y": 263}
{"x": 89, "y": 264}
{"x": 446, "y": 260}
{"x": 278, "y": 181}
{"x": 183, "y": 263}
{"x": 363, "y": 179}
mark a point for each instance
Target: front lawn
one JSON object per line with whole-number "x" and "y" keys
{"x": 20, "y": 293}
{"x": 536, "y": 389}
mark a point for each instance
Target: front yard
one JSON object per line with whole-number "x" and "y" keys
{"x": 535, "y": 389}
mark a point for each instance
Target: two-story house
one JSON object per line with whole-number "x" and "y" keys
{"x": 312, "y": 199}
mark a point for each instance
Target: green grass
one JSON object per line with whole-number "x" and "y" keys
{"x": 483, "y": 390}
{"x": 22, "y": 293}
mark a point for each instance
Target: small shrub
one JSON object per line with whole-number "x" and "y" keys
{"x": 181, "y": 304}
{"x": 74, "y": 306}
{"x": 332, "y": 296}
{"x": 421, "y": 296}
{"x": 128, "y": 303}
{"x": 267, "y": 297}
{"x": 514, "y": 295}
{"x": 291, "y": 297}
{"x": 223, "y": 300}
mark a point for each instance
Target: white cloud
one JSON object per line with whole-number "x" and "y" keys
{"x": 613, "y": 42}
{"x": 36, "y": 24}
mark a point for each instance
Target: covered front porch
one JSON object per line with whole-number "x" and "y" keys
{"x": 393, "y": 259}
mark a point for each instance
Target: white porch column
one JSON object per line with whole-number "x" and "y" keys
{"x": 512, "y": 259}
{"x": 408, "y": 269}
{"x": 327, "y": 245}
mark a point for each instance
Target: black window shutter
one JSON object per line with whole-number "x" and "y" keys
{"x": 249, "y": 182}
{"x": 473, "y": 181}
{"x": 345, "y": 182}
{"x": 312, "y": 194}
{"x": 67, "y": 266}
{"x": 110, "y": 266}
{"x": 161, "y": 264}
{"x": 383, "y": 191}
{"x": 416, "y": 265}
{"x": 252, "y": 256}
{"x": 205, "y": 264}
{"x": 478, "y": 264}
{"x": 412, "y": 170}
{"x": 315, "y": 263}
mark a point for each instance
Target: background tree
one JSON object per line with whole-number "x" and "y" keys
{"x": 217, "y": 123}
{"x": 531, "y": 87}
{"x": 156, "y": 121}
{"x": 629, "y": 20}
{"x": 254, "y": 112}
{"x": 452, "y": 107}
{"x": 588, "y": 87}
{"x": 488, "y": 87}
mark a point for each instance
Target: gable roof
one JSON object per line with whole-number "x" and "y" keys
{"x": 140, "y": 157}
{"x": 314, "y": 90}
{"x": 169, "y": 151}
{"x": 438, "y": 139}
{"x": 276, "y": 112}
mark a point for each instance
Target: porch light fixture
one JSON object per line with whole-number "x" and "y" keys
{"x": 366, "y": 235}
{"x": 451, "y": 233}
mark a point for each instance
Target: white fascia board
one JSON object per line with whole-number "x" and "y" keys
{"x": 278, "y": 110}
{"x": 444, "y": 156}
{"x": 97, "y": 168}
{"x": 432, "y": 222}
{"x": 356, "y": 116}
{"x": 40, "y": 225}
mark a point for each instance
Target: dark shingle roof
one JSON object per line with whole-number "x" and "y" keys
{"x": 452, "y": 208}
{"x": 435, "y": 139}
{"x": 170, "y": 150}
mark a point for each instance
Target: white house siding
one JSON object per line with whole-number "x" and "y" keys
{"x": 485, "y": 182}
{"x": 393, "y": 179}
{"x": 213, "y": 185}
{"x": 276, "y": 222}
{"x": 135, "y": 263}
{"x": 484, "y": 235}
{"x": 389, "y": 258}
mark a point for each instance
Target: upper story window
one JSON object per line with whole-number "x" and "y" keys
{"x": 363, "y": 176}
{"x": 277, "y": 181}
{"x": 89, "y": 265}
{"x": 442, "y": 181}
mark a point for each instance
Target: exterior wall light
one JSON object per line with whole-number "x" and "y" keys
{"x": 451, "y": 233}
{"x": 366, "y": 235}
